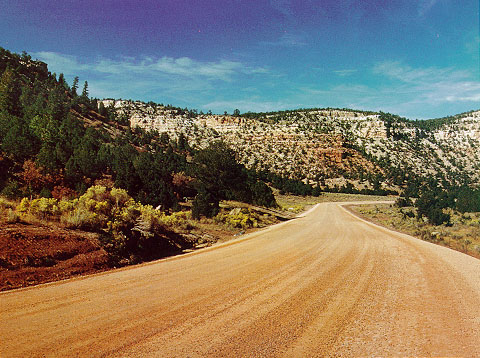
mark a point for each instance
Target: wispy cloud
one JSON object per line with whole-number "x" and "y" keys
{"x": 345, "y": 73}
{"x": 184, "y": 66}
{"x": 432, "y": 85}
{"x": 404, "y": 73}
{"x": 393, "y": 86}
{"x": 181, "y": 81}
{"x": 426, "y": 89}
{"x": 66, "y": 64}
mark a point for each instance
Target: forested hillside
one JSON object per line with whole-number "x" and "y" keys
{"x": 56, "y": 142}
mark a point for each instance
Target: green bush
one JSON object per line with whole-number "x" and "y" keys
{"x": 262, "y": 195}
{"x": 204, "y": 204}
{"x": 44, "y": 207}
{"x": 129, "y": 230}
{"x": 403, "y": 202}
{"x": 178, "y": 220}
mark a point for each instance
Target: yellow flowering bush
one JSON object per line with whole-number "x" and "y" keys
{"x": 180, "y": 220}
{"x": 239, "y": 218}
{"x": 41, "y": 208}
{"x": 129, "y": 230}
{"x": 23, "y": 206}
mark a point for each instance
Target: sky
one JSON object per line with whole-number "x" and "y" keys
{"x": 414, "y": 58}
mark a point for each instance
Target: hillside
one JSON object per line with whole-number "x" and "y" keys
{"x": 127, "y": 182}
{"x": 57, "y": 142}
{"x": 330, "y": 147}
{"x": 71, "y": 168}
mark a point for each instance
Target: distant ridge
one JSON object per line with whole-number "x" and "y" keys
{"x": 331, "y": 147}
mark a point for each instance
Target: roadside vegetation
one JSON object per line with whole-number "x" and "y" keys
{"x": 447, "y": 216}
{"x": 47, "y": 239}
{"x": 462, "y": 232}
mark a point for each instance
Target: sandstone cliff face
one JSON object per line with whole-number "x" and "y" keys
{"x": 326, "y": 146}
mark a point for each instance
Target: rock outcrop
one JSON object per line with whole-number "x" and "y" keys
{"x": 327, "y": 146}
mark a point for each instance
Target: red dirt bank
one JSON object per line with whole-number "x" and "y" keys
{"x": 31, "y": 254}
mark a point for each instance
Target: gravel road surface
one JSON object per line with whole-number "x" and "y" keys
{"x": 324, "y": 285}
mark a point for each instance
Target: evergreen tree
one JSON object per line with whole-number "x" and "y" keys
{"x": 430, "y": 205}
{"x": 85, "y": 90}
{"x": 218, "y": 173}
{"x": 18, "y": 141}
{"x": 57, "y": 104}
{"x": 156, "y": 182}
{"x": 75, "y": 86}
{"x": 204, "y": 204}
{"x": 262, "y": 194}
{"x": 10, "y": 92}
{"x": 62, "y": 82}
{"x": 102, "y": 110}
{"x": 125, "y": 175}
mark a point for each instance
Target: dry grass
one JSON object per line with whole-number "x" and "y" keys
{"x": 463, "y": 234}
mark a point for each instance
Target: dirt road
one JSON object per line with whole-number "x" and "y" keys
{"x": 325, "y": 285}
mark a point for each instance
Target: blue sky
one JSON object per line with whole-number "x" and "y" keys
{"x": 415, "y": 58}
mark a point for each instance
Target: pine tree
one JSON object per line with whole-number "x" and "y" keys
{"x": 84, "y": 100}
{"x": 102, "y": 110}
{"x": 75, "y": 86}
{"x": 62, "y": 82}
{"x": 85, "y": 90}
{"x": 10, "y": 92}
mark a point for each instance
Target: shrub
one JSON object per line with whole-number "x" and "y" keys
{"x": 204, "y": 204}
{"x": 263, "y": 195}
{"x": 403, "y": 202}
{"x": 436, "y": 216}
{"x": 44, "y": 207}
{"x": 45, "y": 193}
{"x": 79, "y": 219}
{"x": 178, "y": 220}
{"x": 41, "y": 208}
{"x": 239, "y": 218}
{"x": 66, "y": 206}
{"x": 430, "y": 205}
{"x": 120, "y": 196}
{"x": 97, "y": 193}
{"x": 130, "y": 231}
{"x": 24, "y": 205}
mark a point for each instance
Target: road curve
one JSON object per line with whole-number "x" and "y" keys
{"x": 324, "y": 285}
